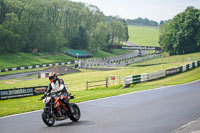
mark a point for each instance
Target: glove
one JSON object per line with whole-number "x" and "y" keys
{"x": 43, "y": 97}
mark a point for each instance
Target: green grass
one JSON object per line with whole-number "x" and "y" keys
{"x": 143, "y": 35}
{"x": 10, "y": 60}
{"x": 181, "y": 78}
{"x": 77, "y": 81}
{"x": 15, "y": 106}
{"x": 166, "y": 59}
{"x": 101, "y": 53}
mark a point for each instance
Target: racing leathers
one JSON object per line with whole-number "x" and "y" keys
{"x": 58, "y": 86}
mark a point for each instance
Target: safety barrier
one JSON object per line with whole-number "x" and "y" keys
{"x": 35, "y": 66}
{"x": 134, "y": 79}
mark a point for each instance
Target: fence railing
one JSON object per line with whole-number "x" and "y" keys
{"x": 134, "y": 79}
{"x": 97, "y": 83}
{"x": 109, "y": 81}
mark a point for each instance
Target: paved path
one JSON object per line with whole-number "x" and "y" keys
{"x": 18, "y": 75}
{"x": 156, "y": 111}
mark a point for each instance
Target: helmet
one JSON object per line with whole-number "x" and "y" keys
{"x": 52, "y": 76}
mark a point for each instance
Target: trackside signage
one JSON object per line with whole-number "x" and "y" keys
{"x": 22, "y": 92}
{"x": 156, "y": 75}
{"x": 133, "y": 47}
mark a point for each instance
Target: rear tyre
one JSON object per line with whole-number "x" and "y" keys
{"x": 47, "y": 119}
{"x": 77, "y": 113}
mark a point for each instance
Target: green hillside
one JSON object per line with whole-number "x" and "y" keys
{"x": 143, "y": 35}
{"x": 11, "y": 60}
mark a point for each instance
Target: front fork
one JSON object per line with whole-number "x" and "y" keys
{"x": 49, "y": 111}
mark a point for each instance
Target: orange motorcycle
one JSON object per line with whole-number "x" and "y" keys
{"x": 56, "y": 110}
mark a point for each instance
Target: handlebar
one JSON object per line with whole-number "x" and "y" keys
{"x": 48, "y": 94}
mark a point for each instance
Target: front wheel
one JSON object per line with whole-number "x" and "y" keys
{"x": 48, "y": 119}
{"x": 77, "y": 113}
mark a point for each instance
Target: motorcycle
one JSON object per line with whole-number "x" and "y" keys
{"x": 56, "y": 110}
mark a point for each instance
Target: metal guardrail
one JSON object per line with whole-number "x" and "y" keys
{"x": 134, "y": 79}
{"x": 35, "y": 66}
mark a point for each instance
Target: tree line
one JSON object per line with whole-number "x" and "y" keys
{"x": 141, "y": 21}
{"x": 181, "y": 35}
{"x": 49, "y": 25}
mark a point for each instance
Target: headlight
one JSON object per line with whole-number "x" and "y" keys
{"x": 46, "y": 100}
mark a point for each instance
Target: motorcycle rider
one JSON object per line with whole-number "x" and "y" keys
{"x": 57, "y": 85}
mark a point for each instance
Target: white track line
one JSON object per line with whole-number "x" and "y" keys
{"x": 184, "y": 126}
{"x": 155, "y": 89}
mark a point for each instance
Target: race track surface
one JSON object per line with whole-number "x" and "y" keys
{"x": 155, "y": 111}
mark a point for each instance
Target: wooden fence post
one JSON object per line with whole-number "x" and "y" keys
{"x": 87, "y": 85}
{"x": 106, "y": 82}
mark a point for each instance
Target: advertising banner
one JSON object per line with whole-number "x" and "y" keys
{"x": 171, "y": 71}
{"x": 22, "y": 92}
{"x": 156, "y": 75}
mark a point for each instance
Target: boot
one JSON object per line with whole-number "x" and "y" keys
{"x": 71, "y": 110}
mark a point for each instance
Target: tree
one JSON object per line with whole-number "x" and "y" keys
{"x": 141, "y": 21}
{"x": 181, "y": 34}
{"x": 50, "y": 25}
{"x": 98, "y": 38}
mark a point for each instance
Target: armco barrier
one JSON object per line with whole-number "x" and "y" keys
{"x": 35, "y": 66}
{"x": 134, "y": 79}
{"x": 144, "y": 77}
{"x": 22, "y": 92}
{"x": 171, "y": 71}
{"x": 128, "y": 80}
{"x": 156, "y": 75}
{"x": 180, "y": 69}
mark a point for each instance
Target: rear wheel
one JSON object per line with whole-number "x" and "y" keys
{"x": 77, "y": 113}
{"x": 48, "y": 119}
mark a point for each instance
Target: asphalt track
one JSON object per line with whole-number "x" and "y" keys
{"x": 156, "y": 111}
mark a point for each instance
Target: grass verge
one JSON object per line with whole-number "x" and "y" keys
{"x": 15, "y": 106}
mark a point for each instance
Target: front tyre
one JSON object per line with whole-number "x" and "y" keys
{"x": 77, "y": 113}
{"x": 48, "y": 119}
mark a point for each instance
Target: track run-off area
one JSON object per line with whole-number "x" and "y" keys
{"x": 161, "y": 110}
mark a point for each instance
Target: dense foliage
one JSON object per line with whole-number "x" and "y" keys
{"x": 181, "y": 35}
{"x": 49, "y": 25}
{"x": 141, "y": 21}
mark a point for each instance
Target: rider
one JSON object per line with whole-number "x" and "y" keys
{"x": 57, "y": 85}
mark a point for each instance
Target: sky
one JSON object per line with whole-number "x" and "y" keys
{"x": 156, "y": 10}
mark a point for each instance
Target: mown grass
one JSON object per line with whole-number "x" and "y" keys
{"x": 15, "y": 106}
{"x": 181, "y": 78}
{"x": 144, "y": 36}
{"x": 166, "y": 59}
{"x": 112, "y": 52}
{"x": 10, "y": 60}
{"x": 77, "y": 81}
